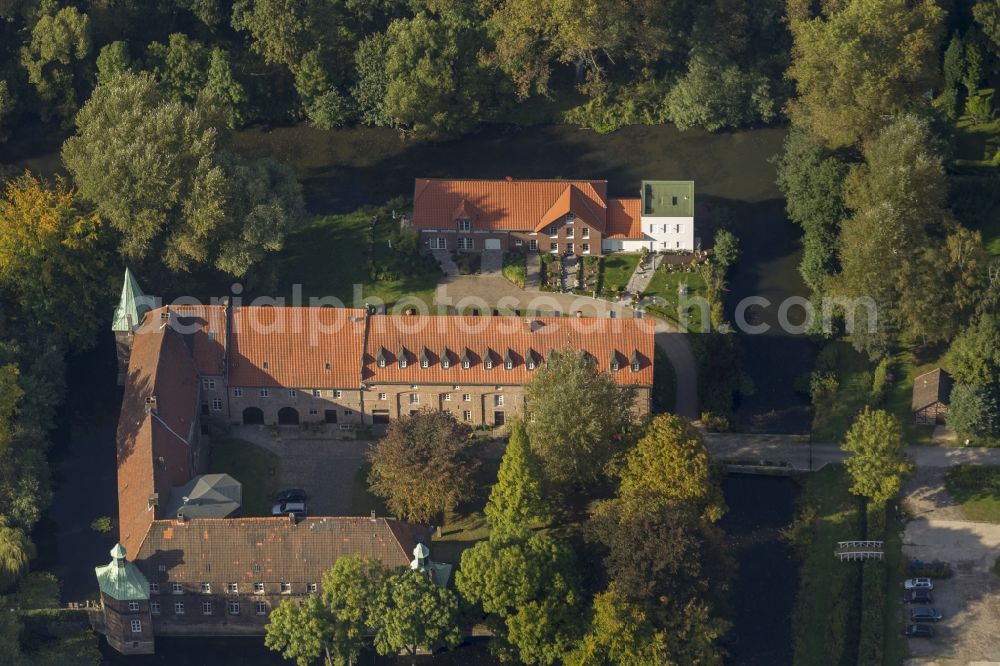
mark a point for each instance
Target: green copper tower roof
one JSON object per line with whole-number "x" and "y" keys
{"x": 132, "y": 306}
{"x": 121, "y": 580}
{"x": 667, "y": 198}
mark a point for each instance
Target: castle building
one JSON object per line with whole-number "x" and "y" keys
{"x": 187, "y": 562}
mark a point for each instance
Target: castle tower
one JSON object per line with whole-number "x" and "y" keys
{"x": 128, "y": 623}
{"x": 128, "y": 315}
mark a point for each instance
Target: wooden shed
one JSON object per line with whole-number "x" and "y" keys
{"x": 931, "y": 394}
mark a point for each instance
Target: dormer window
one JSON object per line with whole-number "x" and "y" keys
{"x": 402, "y": 361}
{"x": 464, "y": 224}
{"x": 508, "y": 360}
{"x": 466, "y": 359}
{"x": 614, "y": 366}
{"x": 635, "y": 367}
{"x": 403, "y": 357}
{"x": 635, "y": 361}
{"x": 266, "y": 365}
{"x": 488, "y": 364}
{"x": 445, "y": 363}
{"x": 425, "y": 358}
{"x": 381, "y": 359}
{"x": 466, "y": 365}
{"x": 531, "y": 365}
{"x": 570, "y": 217}
{"x": 509, "y": 365}
{"x": 381, "y": 363}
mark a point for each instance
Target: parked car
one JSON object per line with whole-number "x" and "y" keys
{"x": 292, "y": 495}
{"x": 285, "y": 508}
{"x": 919, "y": 630}
{"x": 918, "y": 584}
{"x": 918, "y": 596}
{"x": 925, "y": 614}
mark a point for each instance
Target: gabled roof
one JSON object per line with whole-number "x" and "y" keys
{"x": 624, "y": 220}
{"x": 931, "y": 388}
{"x": 121, "y": 580}
{"x": 572, "y": 200}
{"x": 206, "y": 496}
{"x": 132, "y": 305}
{"x": 508, "y": 204}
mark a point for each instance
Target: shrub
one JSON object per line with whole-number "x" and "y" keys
{"x": 714, "y": 422}
{"x": 822, "y": 385}
{"x": 103, "y": 524}
{"x": 515, "y": 268}
{"x": 979, "y": 107}
{"x": 872, "y": 606}
{"x": 880, "y": 383}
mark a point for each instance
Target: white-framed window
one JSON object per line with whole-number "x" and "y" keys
{"x": 425, "y": 363}
{"x": 313, "y": 587}
{"x": 570, "y": 217}
{"x": 447, "y": 397}
{"x": 317, "y": 393}
{"x": 518, "y": 242}
{"x": 466, "y": 365}
{"x": 569, "y": 248}
{"x": 508, "y": 365}
{"x": 176, "y": 588}
{"x": 178, "y": 608}
{"x": 133, "y": 606}
{"x": 292, "y": 393}
{"x": 467, "y": 415}
{"x": 382, "y": 396}
{"x": 206, "y": 608}
{"x": 256, "y": 568}
{"x": 445, "y": 363}
{"x": 154, "y": 588}
{"x": 585, "y": 232}
{"x": 439, "y": 243}
{"x": 569, "y": 232}
{"x": 554, "y": 248}
{"x": 286, "y": 588}
{"x": 488, "y": 364}
{"x": 337, "y": 393}
{"x": 680, "y": 228}
{"x": 635, "y": 367}
{"x": 553, "y": 230}
{"x": 234, "y": 608}
{"x": 261, "y": 608}
{"x": 533, "y": 245}
{"x": 136, "y": 626}
{"x": 265, "y": 392}
{"x": 464, "y": 224}
{"x": 217, "y": 404}
{"x": 154, "y": 607}
{"x": 258, "y": 588}
{"x": 237, "y": 393}
{"x": 414, "y": 398}
{"x": 531, "y": 365}
{"x": 381, "y": 363}
{"x": 402, "y": 361}
{"x": 208, "y": 384}
{"x": 233, "y": 588}
{"x": 614, "y": 366}
{"x": 498, "y": 400}
{"x": 206, "y": 588}
{"x": 465, "y": 244}
{"x": 585, "y": 248}
{"x": 466, "y": 397}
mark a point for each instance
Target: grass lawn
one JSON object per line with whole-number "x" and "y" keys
{"x": 827, "y": 609}
{"x": 618, "y": 268}
{"x": 977, "y": 489}
{"x": 835, "y": 412}
{"x": 253, "y": 467}
{"x": 663, "y": 288}
{"x": 329, "y": 257}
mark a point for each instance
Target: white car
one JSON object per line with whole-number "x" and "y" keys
{"x": 918, "y": 584}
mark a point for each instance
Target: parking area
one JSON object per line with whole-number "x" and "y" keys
{"x": 970, "y": 600}
{"x": 324, "y": 467}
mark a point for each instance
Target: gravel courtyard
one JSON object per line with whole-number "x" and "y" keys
{"x": 969, "y": 601}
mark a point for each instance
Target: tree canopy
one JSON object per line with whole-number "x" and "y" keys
{"x": 410, "y": 612}
{"x": 517, "y": 499}
{"x": 878, "y": 462}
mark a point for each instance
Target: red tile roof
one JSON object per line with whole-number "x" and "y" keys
{"x": 502, "y": 337}
{"x": 513, "y": 205}
{"x": 624, "y": 219}
{"x": 297, "y": 347}
{"x": 572, "y": 200}
{"x": 291, "y": 552}
{"x": 206, "y": 326}
{"x": 159, "y": 409}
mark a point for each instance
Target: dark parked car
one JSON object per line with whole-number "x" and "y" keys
{"x": 918, "y": 596}
{"x": 919, "y": 630}
{"x": 925, "y": 614}
{"x": 285, "y": 508}
{"x": 293, "y": 495}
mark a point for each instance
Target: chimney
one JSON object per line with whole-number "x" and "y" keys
{"x": 153, "y": 500}
{"x": 292, "y": 518}
{"x": 509, "y": 179}
{"x": 180, "y": 518}
{"x": 373, "y": 515}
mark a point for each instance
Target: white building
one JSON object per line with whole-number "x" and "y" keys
{"x": 665, "y": 221}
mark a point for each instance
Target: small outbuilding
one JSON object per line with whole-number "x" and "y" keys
{"x": 206, "y": 496}
{"x": 931, "y": 395}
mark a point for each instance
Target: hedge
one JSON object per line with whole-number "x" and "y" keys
{"x": 873, "y": 583}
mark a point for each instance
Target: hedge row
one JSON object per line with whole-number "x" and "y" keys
{"x": 873, "y": 584}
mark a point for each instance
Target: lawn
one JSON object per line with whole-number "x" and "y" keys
{"x": 333, "y": 255}
{"x": 827, "y": 608}
{"x": 663, "y": 289}
{"x": 617, "y": 271}
{"x": 977, "y": 489}
{"x": 253, "y": 467}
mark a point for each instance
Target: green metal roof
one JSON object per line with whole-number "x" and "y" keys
{"x": 667, "y": 198}
{"x": 122, "y": 580}
{"x": 131, "y": 307}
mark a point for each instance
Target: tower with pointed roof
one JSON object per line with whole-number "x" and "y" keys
{"x": 132, "y": 305}
{"x": 128, "y": 622}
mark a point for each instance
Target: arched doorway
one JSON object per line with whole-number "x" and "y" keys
{"x": 288, "y": 416}
{"x": 253, "y": 416}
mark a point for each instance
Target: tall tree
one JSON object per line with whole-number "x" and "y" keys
{"x": 841, "y": 97}
{"x": 152, "y": 168}
{"x": 59, "y": 42}
{"x": 878, "y": 461}
{"x": 974, "y": 355}
{"x": 113, "y": 59}
{"x": 372, "y": 80}
{"x": 412, "y": 612}
{"x": 16, "y": 550}
{"x": 716, "y": 94}
{"x": 301, "y": 631}
{"x": 576, "y": 417}
{"x": 423, "y": 465}
{"x": 619, "y": 634}
{"x": 517, "y": 499}
{"x": 529, "y": 587}
{"x": 974, "y": 411}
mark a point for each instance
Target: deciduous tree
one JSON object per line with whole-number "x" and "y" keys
{"x": 974, "y": 355}
{"x": 715, "y": 94}
{"x": 423, "y": 465}
{"x": 60, "y": 40}
{"x": 974, "y": 410}
{"x": 517, "y": 499}
{"x": 16, "y": 551}
{"x": 619, "y": 634}
{"x": 300, "y": 631}
{"x": 577, "y": 416}
{"x": 412, "y": 612}
{"x": 878, "y": 462}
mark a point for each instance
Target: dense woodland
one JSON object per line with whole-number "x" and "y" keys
{"x": 150, "y": 91}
